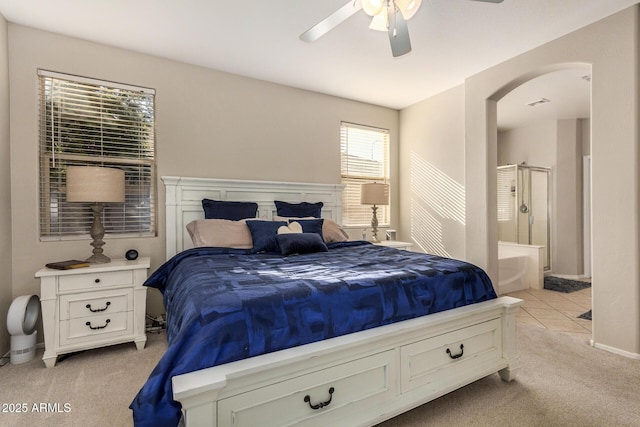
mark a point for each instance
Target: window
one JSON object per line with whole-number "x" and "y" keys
{"x": 364, "y": 157}
{"x": 506, "y": 194}
{"x": 86, "y": 122}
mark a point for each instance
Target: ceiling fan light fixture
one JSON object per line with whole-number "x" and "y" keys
{"x": 388, "y": 15}
{"x": 379, "y": 22}
{"x": 372, "y": 7}
{"x": 408, "y": 7}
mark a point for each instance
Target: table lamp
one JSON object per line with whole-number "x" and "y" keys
{"x": 374, "y": 194}
{"x": 95, "y": 185}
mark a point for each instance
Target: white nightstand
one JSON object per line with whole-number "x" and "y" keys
{"x": 94, "y": 306}
{"x": 405, "y": 246}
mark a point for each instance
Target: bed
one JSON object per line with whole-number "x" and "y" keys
{"x": 351, "y": 335}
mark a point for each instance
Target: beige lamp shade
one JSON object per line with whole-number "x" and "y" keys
{"x": 374, "y": 194}
{"x": 95, "y": 184}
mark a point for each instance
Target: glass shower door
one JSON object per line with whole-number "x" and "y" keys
{"x": 539, "y": 232}
{"x": 524, "y": 211}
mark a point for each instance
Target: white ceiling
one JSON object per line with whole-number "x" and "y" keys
{"x": 567, "y": 94}
{"x": 451, "y": 39}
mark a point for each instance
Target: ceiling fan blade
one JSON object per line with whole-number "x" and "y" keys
{"x": 398, "y": 33}
{"x": 331, "y": 21}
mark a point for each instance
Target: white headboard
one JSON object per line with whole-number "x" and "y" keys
{"x": 183, "y": 200}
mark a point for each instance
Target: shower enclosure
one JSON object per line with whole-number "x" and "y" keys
{"x": 524, "y": 207}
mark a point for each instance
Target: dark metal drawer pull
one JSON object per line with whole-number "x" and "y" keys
{"x": 97, "y": 327}
{"x": 456, "y": 356}
{"x": 320, "y": 405}
{"x": 97, "y": 310}
{"x": 97, "y": 280}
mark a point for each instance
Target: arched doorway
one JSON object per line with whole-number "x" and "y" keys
{"x": 610, "y": 46}
{"x": 543, "y": 136}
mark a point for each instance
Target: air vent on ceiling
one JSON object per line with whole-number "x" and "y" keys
{"x": 538, "y": 101}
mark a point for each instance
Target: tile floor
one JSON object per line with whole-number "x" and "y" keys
{"x": 555, "y": 310}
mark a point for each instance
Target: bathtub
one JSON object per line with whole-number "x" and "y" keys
{"x": 519, "y": 267}
{"x": 512, "y": 274}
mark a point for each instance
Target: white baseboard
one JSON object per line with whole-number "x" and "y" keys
{"x": 615, "y": 350}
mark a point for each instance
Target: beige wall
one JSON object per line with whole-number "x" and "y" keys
{"x": 432, "y": 174}
{"x": 6, "y": 291}
{"x": 208, "y": 124}
{"x": 567, "y": 200}
{"x": 463, "y": 122}
{"x": 534, "y": 144}
{"x": 611, "y": 47}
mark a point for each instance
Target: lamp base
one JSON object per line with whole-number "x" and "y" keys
{"x": 374, "y": 225}
{"x": 97, "y": 233}
{"x": 98, "y": 259}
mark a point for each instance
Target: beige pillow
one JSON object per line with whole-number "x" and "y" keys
{"x": 222, "y": 233}
{"x": 331, "y": 230}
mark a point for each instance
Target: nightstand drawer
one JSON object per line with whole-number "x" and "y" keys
{"x": 93, "y": 328}
{"x": 95, "y": 280}
{"x": 89, "y": 304}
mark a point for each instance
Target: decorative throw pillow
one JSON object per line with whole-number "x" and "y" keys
{"x": 220, "y": 233}
{"x": 263, "y": 234}
{"x": 310, "y": 225}
{"x": 332, "y": 232}
{"x": 293, "y": 227}
{"x": 234, "y": 211}
{"x": 299, "y": 210}
{"x": 300, "y": 243}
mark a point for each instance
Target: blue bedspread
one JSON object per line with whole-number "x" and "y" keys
{"x": 224, "y": 305}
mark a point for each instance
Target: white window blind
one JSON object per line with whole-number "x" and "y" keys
{"x": 506, "y": 194}
{"x": 86, "y": 122}
{"x": 364, "y": 158}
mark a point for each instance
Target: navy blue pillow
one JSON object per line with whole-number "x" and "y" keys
{"x": 234, "y": 211}
{"x": 299, "y": 210}
{"x": 300, "y": 243}
{"x": 264, "y": 235}
{"x": 310, "y": 225}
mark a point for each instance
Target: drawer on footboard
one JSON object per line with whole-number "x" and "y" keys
{"x": 329, "y": 397}
{"x": 445, "y": 360}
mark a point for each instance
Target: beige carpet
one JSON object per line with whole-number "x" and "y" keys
{"x": 562, "y": 382}
{"x": 98, "y": 385}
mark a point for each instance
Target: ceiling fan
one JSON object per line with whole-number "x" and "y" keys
{"x": 387, "y": 15}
